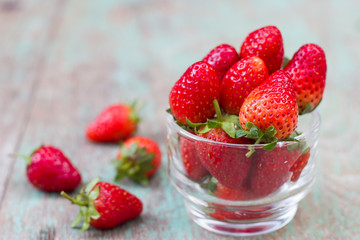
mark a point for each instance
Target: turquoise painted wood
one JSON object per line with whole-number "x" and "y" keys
{"x": 62, "y": 62}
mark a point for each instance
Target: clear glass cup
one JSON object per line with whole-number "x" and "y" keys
{"x": 242, "y": 196}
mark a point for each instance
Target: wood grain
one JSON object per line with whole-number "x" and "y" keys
{"x": 22, "y": 57}
{"x": 62, "y": 62}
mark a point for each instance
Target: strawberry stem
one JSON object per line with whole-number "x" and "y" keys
{"x": 74, "y": 201}
{"x": 217, "y": 110}
{"x": 27, "y": 158}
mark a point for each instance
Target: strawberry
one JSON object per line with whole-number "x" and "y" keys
{"x": 228, "y": 165}
{"x": 48, "y": 169}
{"x": 221, "y": 58}
{"x": 308, "y": 70}
{"x": 299, "y": 165}
{"x": 138, "y": 158}
{"x": 239, "y": 81}
{"x": 192, "y": 95}
{"x": 271, "y": 169}
{"x": 226, "y": 193}
{"x": 220, "y": 213}
{"x": 104, "y": 205}
{"x": 116, "y": 123}
{"x": 273, "y": 103}
{"x": 266, "y": 43}
{"x": 193, "y": 167}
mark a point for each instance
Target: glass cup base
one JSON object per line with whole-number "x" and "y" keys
{"x": 241, "y": 228}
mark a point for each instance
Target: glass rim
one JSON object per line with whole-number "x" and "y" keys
{"x": 304, "y": 135}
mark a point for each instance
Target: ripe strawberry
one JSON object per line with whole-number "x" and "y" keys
{"x": 271, "y": 169}
{"x": 239, "y": 81}
{"x": 48, "y": 169}
{"x": 104, "y": 205}
{"x": 273, "y": 103}
{"x": 228, "y": 165}
{"x": 192, "y": 95}
{"x": 241, "y": 214}
{"x": 266, "y": 43}
{"x": 116, "y": 123}
{"x": 239, "y": 194}
{"x": 221, "y": 58}
{"x": 193, "y": 167}
{"x": 299, "y": 165}
{"x": 138, "y": 158}
{"x": 308, "y": 70}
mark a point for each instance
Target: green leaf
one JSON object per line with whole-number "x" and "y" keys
{"x": 286, "y": 61}
{"x": 93, "y": 213}
{"x": 140, "y": 178}
{"x": 241, "y": 133}
{"x": 146, "y": 158}
{"x": 213, "y": 124}
{"x": 85, "y": 226}
{"x": 77, "y": 220}
{"x": 270, "y": 146}
{"x": 307, "y": 109}
{"x": 132, "y": 149}
{"x": 255, "y": 133}
{"x": 306, "y": 150}
{"x": 91, "y": 185}
{"x": 147, "y": 166}
{"x": 270, "y": 132}
{"x": 249, "y": 125}
{"x": 229, "y": 128}
{"x": 94, "y": 194}
{"x": 302, "y": 145}
{"x": 232, "y": 118}
{"x": 292, "y": 147}
{"x": 169, "y": 111}
{"x": 120, "y": 174}
{"x": 212, "y": 184}
{"x": 205, "y": 129}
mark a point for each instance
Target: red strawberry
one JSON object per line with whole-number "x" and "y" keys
{"x": 50, "y": 170}
{"x": 271, "y": 169}
{"x": 241, "y": 214}
{"x": 138, "y": 158}
{"x": 222, "y": 58}
{"x": 104, "y": 205}
{"x": 239, "y": 81}
{"x": 299, "y": 165}
{"x": 226, "y": 193}
{"x": 192, "y": 164}
{"x": 273, "y": 103}
{"x": 227, "y": 164}
{"x": 266, "y": 43}
{"x": 192, "y": 95}
{"x": 308, "y": 69}
{"x": 115, "y": 123}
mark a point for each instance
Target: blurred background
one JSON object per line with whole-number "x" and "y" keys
{"x": 62, "y": 62}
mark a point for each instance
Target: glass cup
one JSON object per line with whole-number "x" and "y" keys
{"x": 228, "y": 193}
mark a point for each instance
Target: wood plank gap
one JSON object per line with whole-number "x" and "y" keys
{"x": 58, "y": 13}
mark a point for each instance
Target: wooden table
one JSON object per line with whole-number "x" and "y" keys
{"x": 62, "y": 62}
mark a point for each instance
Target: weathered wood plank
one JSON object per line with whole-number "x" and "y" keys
{"x": 24, "y": 31}
{"x": 107, "y": 51}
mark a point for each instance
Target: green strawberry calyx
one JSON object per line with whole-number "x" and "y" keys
{"x": 135, "y": 107}
{"x": 134, "y": 163}
{"x": 228, "y": 123}
{"x": 27, "y": 157}
{"x": 231, "y": 125}
{"x": 299, "y": 144}
{"x": 85, "y": 199}
{"x": 285, "y": 62}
